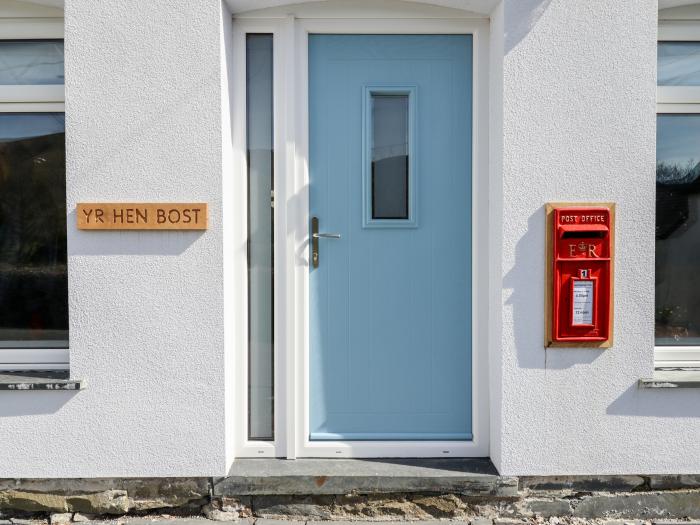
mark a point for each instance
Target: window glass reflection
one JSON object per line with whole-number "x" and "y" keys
{"x": 677, "y": 309}
{"x": 33, "y": 276}
{"x": 31, "y": 62}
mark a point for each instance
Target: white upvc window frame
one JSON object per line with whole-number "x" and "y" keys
{"x": 678, "y": 99}
{"x": 291, "y": 418}
{"x": 32, "y": 99}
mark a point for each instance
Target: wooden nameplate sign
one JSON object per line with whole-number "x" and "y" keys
{"x": 142, "y": 216}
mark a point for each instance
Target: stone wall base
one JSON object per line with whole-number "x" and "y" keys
{"x": 593, "y": 497}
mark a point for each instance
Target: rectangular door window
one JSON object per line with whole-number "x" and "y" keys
{"x": 389, "y": 156}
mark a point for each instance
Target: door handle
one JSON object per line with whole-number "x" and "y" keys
{"x": 315, "y": 236}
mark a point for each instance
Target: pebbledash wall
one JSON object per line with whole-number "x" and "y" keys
{"x": 572, "y": 118}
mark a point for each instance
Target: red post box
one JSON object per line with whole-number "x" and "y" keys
{"x": 580, "y": 275}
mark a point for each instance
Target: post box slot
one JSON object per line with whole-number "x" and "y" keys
{"x": 583, "y": 228}
{"x": 580, "y": 231}
{"x": 583, "y": 234}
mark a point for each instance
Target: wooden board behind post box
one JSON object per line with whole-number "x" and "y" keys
{"x": 592, "y": 225}
{"x": 142, "y": 216}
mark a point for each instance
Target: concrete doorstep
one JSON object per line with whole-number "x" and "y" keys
{"x": 310, "y": 477}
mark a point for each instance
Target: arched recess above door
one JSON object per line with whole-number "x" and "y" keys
{"x": 343, "y": 8}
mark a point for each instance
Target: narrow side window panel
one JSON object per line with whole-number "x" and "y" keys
{"x": 259, "y": 83}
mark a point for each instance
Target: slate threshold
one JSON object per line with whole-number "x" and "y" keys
{"x": 308, "y": 477}
{"x": 58, "y": 380}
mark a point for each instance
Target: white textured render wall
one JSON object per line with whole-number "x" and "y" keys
{"x": 144, "y": 122}
{"x": 579, "y": 125}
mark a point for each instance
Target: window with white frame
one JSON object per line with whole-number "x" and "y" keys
{"x": 33, "y": 254}
{"x": 677, "y": 308}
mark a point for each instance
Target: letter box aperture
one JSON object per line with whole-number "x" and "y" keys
{"x": 579, "y": 275}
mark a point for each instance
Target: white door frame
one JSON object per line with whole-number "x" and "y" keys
{"x": 291, "y": 132}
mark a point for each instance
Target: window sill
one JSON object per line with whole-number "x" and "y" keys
{"x": 673, "y": 378}
{"x": 37, "y": 380}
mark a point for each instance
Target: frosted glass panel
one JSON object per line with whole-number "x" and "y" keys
{"x": 260, "y": 236}
{"x": 31, "y": 62}
{"x": 390, "y": 156}
{"x": 678, "y": 63}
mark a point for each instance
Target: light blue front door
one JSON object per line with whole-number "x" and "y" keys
{"x": 390, "y": 119}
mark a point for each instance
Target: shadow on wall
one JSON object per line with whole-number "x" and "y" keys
{"x": 521, "y": 16}
{"x": 525, "y": 281}
{"x": 17, "y": 404}
{"x": 653, "y": 402}
{"x": 133, "y": 242}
